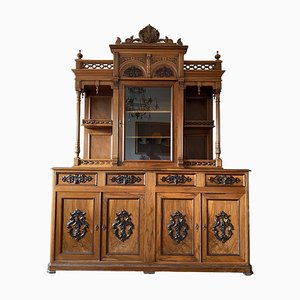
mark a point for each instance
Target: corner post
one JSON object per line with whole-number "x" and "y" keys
{"x": 77, "y": 143}
{"x": 216, "y": 95}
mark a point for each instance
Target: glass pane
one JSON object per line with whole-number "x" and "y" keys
{"x": 148, "y": 123}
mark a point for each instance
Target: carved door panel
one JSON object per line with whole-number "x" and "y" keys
{"x": 122, "y": 225}
{"x": 224, "y": 226}
{"x": 77, "y": 226}
{"x": 178, "y": 227}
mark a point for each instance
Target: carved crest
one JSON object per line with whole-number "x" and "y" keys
{"x": 123, "y": 226}
{"x": 222, "y": 227}
{"x": 149, "y": 35}
{"x": 77, "y": 225}
{"x": 177, "y": 227}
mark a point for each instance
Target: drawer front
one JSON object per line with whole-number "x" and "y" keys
{"x": 224, "y": 180}
{"x": 76, "y": 178}
{"x": 125, "y": 179}
{"x": 175, "y": 179}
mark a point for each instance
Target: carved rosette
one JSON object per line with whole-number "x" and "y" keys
{"x": 133, "y": 71}
{"x": 222, "y": 227}
{"x": 123, "y": 226}
{"x": 126, "y": 179}
{"x": 224, "y": 179}
{"x": 77, "y": 225}
{"x": 177, "y": 227}
{"x": 176, "y": 179}
{"x": 76, "y": 178}
{"x": 164, "y": 72}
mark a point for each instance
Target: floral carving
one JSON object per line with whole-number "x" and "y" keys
{"x": 177, "y": 227}
{"x": 76, "y": 178}
{"x": 222, "y": 227}
{"x": 123, "y": 226}
{"x": 133, "y": 72}
{"x": 224, "y": 179}
{"x": 176, "y": 179}
{"x": 126, "y": 179}
{"x": 77, "y": 225}
{"x": 164, "y": 72}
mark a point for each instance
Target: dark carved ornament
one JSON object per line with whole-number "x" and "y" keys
{"x": 76, "y": 178}
{"x": 148, "y": 35}
{"x": 176, "y": 179}
{"x": 126, "y": 179}
{"x": 77, "y": 225}
{"x": 164, "y": 72}
{"x": 177, "y": 227}
{"x": 123, "y": 226}
{"x": 224, "y": 179}
{"x": 222, "y": 227}
{"x": 133, "y": 72}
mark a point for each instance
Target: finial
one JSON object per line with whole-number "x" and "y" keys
{"x": 179, "y": 42}
{"x": 79, "y": 55}
{"x": 118, "y": 41}
{"x": 217, "y": 56}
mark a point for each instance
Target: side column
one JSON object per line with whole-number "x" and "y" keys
{"x": 218, "y": 127}
{"x": 77, "y": 143}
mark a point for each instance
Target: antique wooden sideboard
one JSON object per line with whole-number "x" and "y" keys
{"x": 148, "y": 194}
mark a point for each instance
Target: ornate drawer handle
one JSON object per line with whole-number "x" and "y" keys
{"x": 126, "y": 179}
{"x": 176, "y": 179}
{"x": 76, "y": 178}
{"x": 224, "y": 179}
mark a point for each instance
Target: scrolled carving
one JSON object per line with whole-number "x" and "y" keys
{"x": 224, "y": 179}
{"x": 76, "y": 178}
{"x": 77, "y": 225}
{"x": 177, "y": 227}
{"x": 123, "y": 226}
{"x": 133, "y": 71}
{"x": 222, "y": 227}
{"x": 164, "y": 72}
{"x": 176, "y": 179}
{"x": 126, "y": 179}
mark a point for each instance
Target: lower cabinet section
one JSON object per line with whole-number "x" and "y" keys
{"x": 163, "y": 228}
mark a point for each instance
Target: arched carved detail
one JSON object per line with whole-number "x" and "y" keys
{"x": 133, "y": 69}
{"x": 163, "y": 70}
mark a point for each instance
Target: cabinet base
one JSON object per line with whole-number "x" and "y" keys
{"x": 151, "y": 268}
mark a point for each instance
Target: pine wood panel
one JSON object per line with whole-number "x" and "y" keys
{"x": 112, "y": 247}
{"x": 68, "y": 247}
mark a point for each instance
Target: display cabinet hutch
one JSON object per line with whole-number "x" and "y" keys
{"x": 148, "y": 194}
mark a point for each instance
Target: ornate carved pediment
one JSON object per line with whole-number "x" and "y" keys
{"x": 148, "y": 35}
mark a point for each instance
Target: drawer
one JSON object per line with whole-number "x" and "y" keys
{"x": 175, "y": 179}
{"x": 224, "y": 180}
{"x": 76, "y": 178}
{"x": 125, "y": 179}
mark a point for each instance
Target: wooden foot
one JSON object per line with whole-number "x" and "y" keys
{"x": 248, "y": 272}
{"x": 149, "y": 272}
{"x": 50, "y": 271}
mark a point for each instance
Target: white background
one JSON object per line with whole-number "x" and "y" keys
{"x": 260, "y": 131}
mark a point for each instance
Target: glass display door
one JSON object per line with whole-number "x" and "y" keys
{"x": 148, "y": 123}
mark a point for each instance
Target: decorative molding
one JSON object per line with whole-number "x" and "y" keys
{"x": 133, "y": 71}
{"x": 126, "y": 179}
{"x": 96, "y": 122}
{"x": 97, "y": 65}
{"x": 164, "y": 72}
{"x": 77, "y": 225}
{"x": 76, "y": 178}
{"x": 199, "y": 66}
{"x": 132, "y": 58}
{"x": 155, "y": 59}
{"x": 199, "y": 163}
{"x": 94, "y": 162}
{"x": 221, "y": 226}
{"x": 224, "y": 179}
{"x": 176, "y": 179}
{"x": 177, "y": 227}
{"x": 149, "y": 35}
{"x": 122, "y": 221}
{"x": 199, "y": 123}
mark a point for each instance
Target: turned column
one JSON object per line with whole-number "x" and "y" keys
{"x": 218, "y": 128}
{"x": 77, "y": 143}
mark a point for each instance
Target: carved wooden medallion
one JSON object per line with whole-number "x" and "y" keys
{"x": 77, "y": 225}
{"x": 177, "y": 227}
{"x": 222, "y": 227}
{"x": 123, "y": 226}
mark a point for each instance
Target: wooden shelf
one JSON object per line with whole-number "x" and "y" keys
{"x": 148, "y": 112}
{"x": 96, "y": 123}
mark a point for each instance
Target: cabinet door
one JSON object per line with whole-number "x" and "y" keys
{"x": 225, "y": 236}
{"x": 77, "y": 224}
{"x": 177, "y": 230}
{"x": 122, "y": 225}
